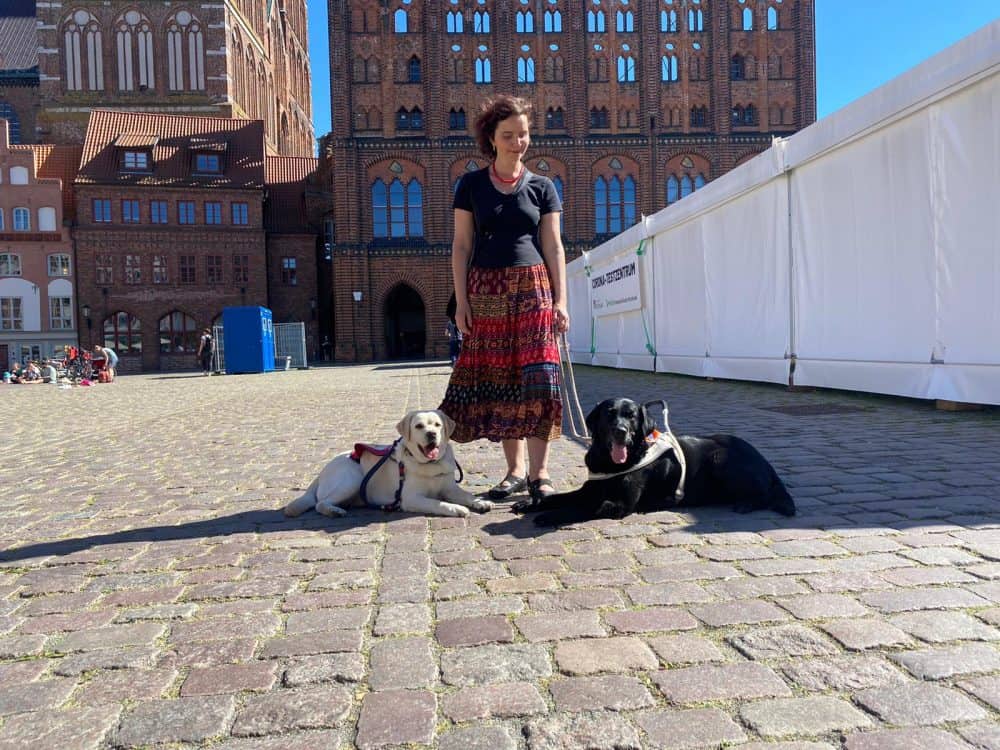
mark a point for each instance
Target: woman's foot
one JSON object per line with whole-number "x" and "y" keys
{"x": 507, "y": 487}
{"x": 540, "y": 488}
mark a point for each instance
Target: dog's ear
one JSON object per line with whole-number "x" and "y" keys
{"x": 403, "y": 428}
{"x": 646, "y": 424}
{"x": 449, "y": 423}
{"x": 591, "y": 420}
{"x": 650, "y": 423}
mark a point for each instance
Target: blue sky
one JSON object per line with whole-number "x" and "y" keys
{"x": 860, "y": 44}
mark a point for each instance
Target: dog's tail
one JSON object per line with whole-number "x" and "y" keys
{"x": 781, "y": 500}
{"x": 301, "y": 504}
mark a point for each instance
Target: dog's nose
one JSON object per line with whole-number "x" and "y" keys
{"x": 431, "y": 436}
{"x": 619, "y": 432}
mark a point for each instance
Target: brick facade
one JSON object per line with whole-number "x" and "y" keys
{"x": 143, "y": 296}
{"x": 252, "y": 62}
{"x": 733, "y": 89}
{"x": 37, "y": 290}
{"x": 160, "y": 251}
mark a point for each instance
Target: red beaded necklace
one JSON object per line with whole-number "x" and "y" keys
{"x": 504, "y": 180}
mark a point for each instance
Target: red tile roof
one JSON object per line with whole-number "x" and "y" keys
{"x": 179, "y": 137}
{"x": 287, "y": 180}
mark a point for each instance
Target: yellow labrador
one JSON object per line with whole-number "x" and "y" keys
{"x": 428, "y": 481}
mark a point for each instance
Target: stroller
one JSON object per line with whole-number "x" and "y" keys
{"x": 79, "y": 364}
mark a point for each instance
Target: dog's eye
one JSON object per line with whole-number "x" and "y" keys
{"x": 418, "y": 427}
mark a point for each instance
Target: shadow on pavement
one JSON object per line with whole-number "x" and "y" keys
{"x": 688, "y": 519}
{"x": 251, "y": 521}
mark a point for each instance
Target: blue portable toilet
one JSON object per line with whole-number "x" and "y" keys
{"x": 248, "y": 339}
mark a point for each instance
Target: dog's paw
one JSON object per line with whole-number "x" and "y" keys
{"x": 523, "y": 506}
{"x": 743, "y": 508}
{"x": 451, "y": 509}
{"x": 333, "y": 511}
{"x": 481, "y": 506}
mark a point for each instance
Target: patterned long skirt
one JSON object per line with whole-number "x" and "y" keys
{"x": 506, "y": 381}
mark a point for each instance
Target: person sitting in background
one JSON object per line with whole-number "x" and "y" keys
{"x": 49, "y": 374}
{"x": 32, "y": 373}
{"x": 16, "y": 373}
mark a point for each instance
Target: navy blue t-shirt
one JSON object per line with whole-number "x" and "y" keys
{"x": 506, "y": 225}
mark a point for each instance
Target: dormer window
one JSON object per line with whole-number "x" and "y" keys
{"x": 207, "y": 164}
{"x": 135, "y": 151}
{"x": 137, "y": 161}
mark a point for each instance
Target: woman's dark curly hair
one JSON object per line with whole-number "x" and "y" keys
{"x": 492, "y": 112}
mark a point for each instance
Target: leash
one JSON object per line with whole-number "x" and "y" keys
{"x": 572, "y": 399}
{"x": 371, "y": 472}
{"x": 567, "y": 385}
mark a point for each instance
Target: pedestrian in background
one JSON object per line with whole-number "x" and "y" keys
{"x": 206, "y": 348}
{"x": 454, "y": 341}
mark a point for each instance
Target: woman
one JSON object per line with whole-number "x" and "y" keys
{"x": 509, "y": 269}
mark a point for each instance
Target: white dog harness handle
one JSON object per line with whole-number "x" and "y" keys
{"x": 662, "y": 443}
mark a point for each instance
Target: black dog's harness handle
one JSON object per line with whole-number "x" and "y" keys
{"x": 371, "y": 472}
{"x": 675, "y": 443}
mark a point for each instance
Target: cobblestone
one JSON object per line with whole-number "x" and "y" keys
{"x": 170, "y": 602}
{"x": 919, "y": 704}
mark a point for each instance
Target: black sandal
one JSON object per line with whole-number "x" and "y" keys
{"x": 540, "y": 488}
{"x": 507, "y": 487}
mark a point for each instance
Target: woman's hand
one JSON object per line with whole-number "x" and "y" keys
{"x": 463, "y": 318}
{"x": 560, "y": 318}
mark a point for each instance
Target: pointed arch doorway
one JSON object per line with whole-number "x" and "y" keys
{"x": 405, "y": 324}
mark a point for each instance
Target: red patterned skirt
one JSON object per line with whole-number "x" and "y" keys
{"x": 505, "y": 384}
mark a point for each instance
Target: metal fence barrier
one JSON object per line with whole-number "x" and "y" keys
{"x": 289, "y": 342}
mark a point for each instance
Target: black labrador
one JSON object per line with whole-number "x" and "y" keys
{"x": 626, "y": 478}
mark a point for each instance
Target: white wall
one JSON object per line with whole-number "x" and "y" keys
{"x": 866, "y": 248}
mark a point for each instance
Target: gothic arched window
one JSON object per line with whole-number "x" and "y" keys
{"x": 185, "y": 53}
{"x": 134, "y": 47}
{"x": 397, "y": 211}
{"x": 83, "y": 52}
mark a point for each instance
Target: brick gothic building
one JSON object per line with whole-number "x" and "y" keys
{"x": 175, "y": 220}
{"x": 637, "y": 103}
{"x": 235, "y": 58}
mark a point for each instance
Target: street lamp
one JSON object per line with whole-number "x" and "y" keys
{"x": 85, "y": 309}
{"x": 354, "y": 322}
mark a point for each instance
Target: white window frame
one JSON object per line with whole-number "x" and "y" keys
{"x": 136, "y": 161}
{"x": 11, "y": 314}
{"x": 7, "y": 264}
{"x": 22, "y": 219}
{"x": 62, "y": 271}
{"x": 60, "y": 313}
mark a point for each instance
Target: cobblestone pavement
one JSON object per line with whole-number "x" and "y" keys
{"x": 151, "y": 591}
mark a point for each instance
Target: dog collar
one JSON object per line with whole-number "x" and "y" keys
{"x": 660, "y": 443}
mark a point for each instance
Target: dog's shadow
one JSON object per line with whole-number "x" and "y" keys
{"x": 260, "y": 521}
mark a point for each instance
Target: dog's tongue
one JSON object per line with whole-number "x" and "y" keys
{"x": 619, "y": 453}
{"x": 432, "y": 453}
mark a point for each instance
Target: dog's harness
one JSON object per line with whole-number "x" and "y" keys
{"x": 660, "y": 443}
{"x": 386, "y": 453}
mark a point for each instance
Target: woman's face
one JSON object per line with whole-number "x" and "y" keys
{"x": 512, "y": 137}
